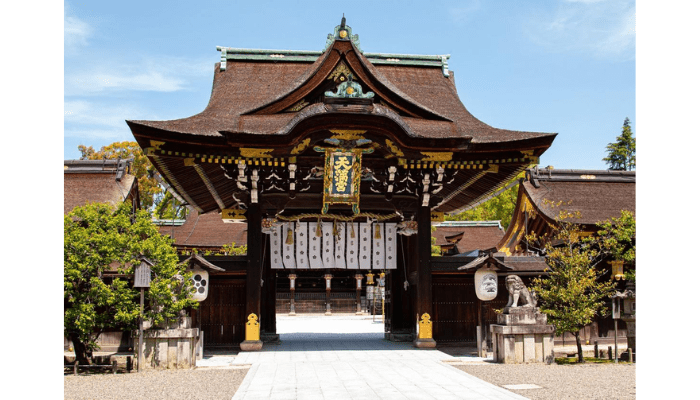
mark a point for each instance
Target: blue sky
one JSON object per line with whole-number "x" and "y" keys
{"x": 565, "y": 66}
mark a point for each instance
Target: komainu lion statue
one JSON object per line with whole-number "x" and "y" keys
{"x": 517, "y": 292}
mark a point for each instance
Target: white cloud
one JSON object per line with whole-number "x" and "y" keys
{"x": 81, "y": 112}
{"x": 600, "y": 27}
{"x": 75, "y": 31}
{"x": 162, "y": 75}
{"x": 464, "y": 11}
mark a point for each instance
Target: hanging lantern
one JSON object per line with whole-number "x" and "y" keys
{"x": 617, "y": 269}
{"x": 200, "y": 279}
{"x": 290, "y": 236}
{"x": 370, "y": 278}
{"x": 486, "y": 283}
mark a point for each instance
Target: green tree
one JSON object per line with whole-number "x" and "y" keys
{"x": 232, "y": 250}
{"x": 622, "y": 153}
{"x": 498, "y": 208}
{"x": 617, "y": 238}
{"x": 572, "y": 292}
{"x": 153, "y": 197}
{"x": 101, "y": 246}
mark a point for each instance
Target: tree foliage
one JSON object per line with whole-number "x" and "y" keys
{"x": 101, "y": 246}
{"x": 617, "y": 238}
{"x": 622, "y": 153}
{"x": 152, "y": 194}
{"x": 572, "y": 292}
{"x": 499, "y": 208}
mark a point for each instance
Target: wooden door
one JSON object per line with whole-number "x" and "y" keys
{"x": 223, "y": 313}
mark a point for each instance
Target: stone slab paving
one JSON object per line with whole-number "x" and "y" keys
{"x": 346, "y": 357}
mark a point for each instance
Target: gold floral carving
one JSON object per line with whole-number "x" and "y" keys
{"x": 347, "y": 134}
{"x": 341, "y": 69}
{"x": 436, "y": 156}
{"x": 299, "y": 106}
{"x": 301, "y": 146}
{"x": 394, "y": 148}
{"x": 256, "y": 153}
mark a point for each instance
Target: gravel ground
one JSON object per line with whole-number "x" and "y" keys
{"x": 587, "y": 381}
{"x": 195, "y": 384}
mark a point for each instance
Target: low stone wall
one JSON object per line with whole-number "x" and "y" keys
{"x": 170, "y": 348}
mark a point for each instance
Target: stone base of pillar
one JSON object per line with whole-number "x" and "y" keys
{"x": 292, "y": 314}
{"x": 425, "y": 343}
{"x": 360, "y": 313}
{"x": 251, "y": 345}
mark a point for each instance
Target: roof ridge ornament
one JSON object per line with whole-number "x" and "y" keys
{"x": 343, "y": 32}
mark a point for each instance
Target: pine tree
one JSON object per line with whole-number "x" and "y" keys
{"x": 622, "y": 153}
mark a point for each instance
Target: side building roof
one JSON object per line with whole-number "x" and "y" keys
{"x": 594, "y": 195}
{"x": 101, "y": 181}
{"x": 205, "y": 231}
{"x": 459, "y": 237}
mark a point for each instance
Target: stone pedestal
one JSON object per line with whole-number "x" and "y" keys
{"x": 424, "y": 343}
{"x": 251, "y": 345}
{"x": 522, "y": 336}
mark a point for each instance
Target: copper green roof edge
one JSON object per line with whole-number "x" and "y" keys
{"x": 230, "y": 53}
{"x": 469, "y": 224}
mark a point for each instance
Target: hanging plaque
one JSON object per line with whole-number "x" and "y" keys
{"x": 341, "y": 182}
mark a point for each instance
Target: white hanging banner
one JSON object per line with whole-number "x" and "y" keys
{"x": 276, "y": 248}
{"x": 314, "y": 247}
{"x": 288, "y": 255}
{"x": 378, "y": 236}
{"x": 328, "y": 245}
{"x": 390, "y": 242}
{"x": 365, "y": 245}
{"x": 352, "y": 232}
{"x": 302, "y": 245}
{"x": 340, "y": 246}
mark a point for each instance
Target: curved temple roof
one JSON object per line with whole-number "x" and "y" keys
{"x": 288, "y": 101}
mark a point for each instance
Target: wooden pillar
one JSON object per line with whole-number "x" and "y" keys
{"x": 254, "y": 272}
{"x": 424, "y": 300}
{"x": 268, "y": 319}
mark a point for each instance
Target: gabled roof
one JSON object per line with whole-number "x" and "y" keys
{"x": 597, "y": 195}
{"x": 261, "y": 92}
{"x": 594, "y": 195}
{"x": 101, "y": 181}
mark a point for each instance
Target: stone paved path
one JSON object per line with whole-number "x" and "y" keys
{"x": 346, "y": 357}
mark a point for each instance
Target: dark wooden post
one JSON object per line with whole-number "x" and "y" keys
{"x": 424, "y": 300}
{"x": 254, "y": 272}
{"x": 254, "y": 267}
{"x": 268, "y": 319}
